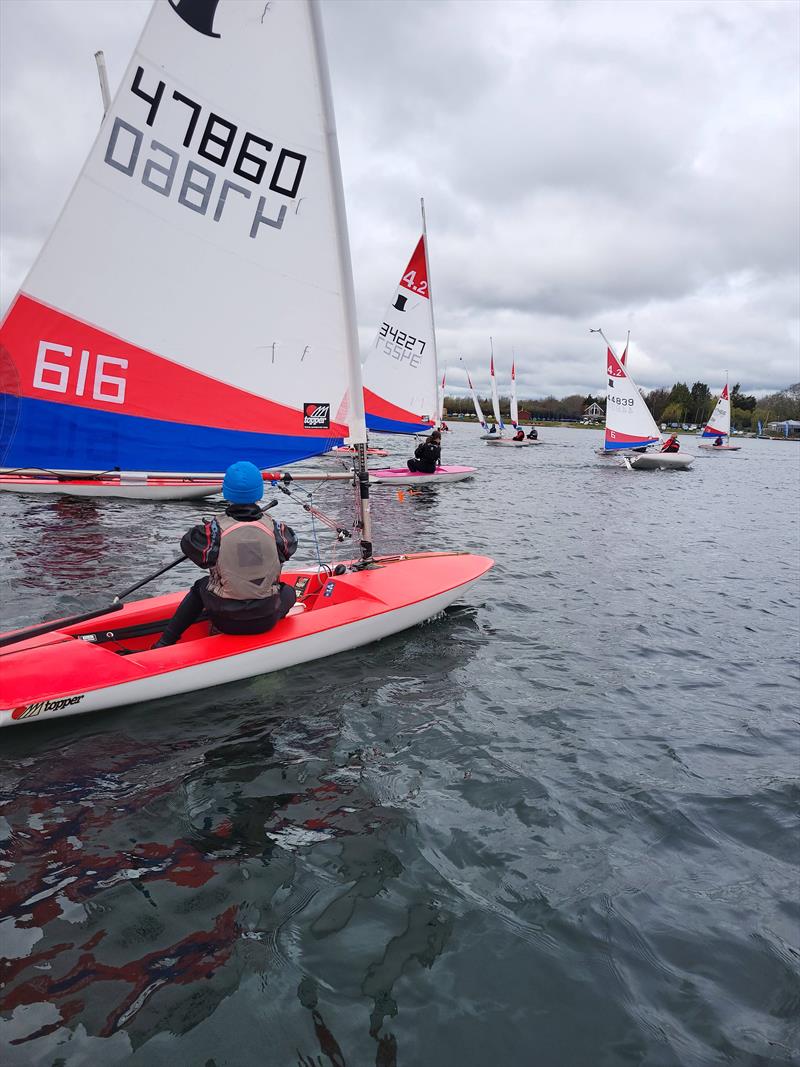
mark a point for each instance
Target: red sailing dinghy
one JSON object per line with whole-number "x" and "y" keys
{"x": 292, "y": 270}
{"x": 401, "y": 375}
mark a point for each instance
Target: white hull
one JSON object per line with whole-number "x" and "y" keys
{"x": 509, "y": 442}
{"x": 113, "y": 489}
{"x": 203, "y": 676}
{"x": 660, "y": 461}
{"x": 720, "y": 448}
{"x": 491, "y": 437}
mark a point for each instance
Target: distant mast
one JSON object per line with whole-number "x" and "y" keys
{"x": 495, "y": 400}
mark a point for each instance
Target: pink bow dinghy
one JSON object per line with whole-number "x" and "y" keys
{"x": 123, "y": 486}
{"x": 403, "y": 476}
{"x": 109, "y": 661}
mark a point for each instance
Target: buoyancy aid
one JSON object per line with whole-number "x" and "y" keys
{"x": 248, "y": 566}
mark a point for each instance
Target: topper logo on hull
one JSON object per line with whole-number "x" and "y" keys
{"x": 31, "y": 710}
{"x": 199, "y": 14}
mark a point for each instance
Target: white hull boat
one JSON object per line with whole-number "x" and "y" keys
{"x": 631, "y": 430}
{"x": 718, "y": 426}
{"x": 659, "y": 461}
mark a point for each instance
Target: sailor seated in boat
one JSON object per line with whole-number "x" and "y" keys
{"x": 671, "y": 444}
{"x": 427, "y": 455}
{"x": 533, "y": 434}
{"x": 718, "y": 443}
{"x": 244, "y": 552}
{"x": 492, "y": 428}
{"x": 519, "y": 435}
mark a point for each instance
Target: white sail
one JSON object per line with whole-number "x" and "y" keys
{"x": 441, "y": 398}
{"x": 193, "y": 304}
{"x": 476, "y": 403}
{"x": 401, "y": 380}
{"x": 719, "y": 425}
{"x": 629, "y": 423}
{"x": 514, "y": 408}
{"x": 495, "y": 400}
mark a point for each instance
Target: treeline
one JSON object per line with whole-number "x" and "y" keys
{"x": 569, "y": 409}
{"x": 680, "y": 404}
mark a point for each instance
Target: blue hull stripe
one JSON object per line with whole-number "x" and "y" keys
{"x": 39, "y": 433}
{"x": 611, "y": 446}
{"x": 380, "y": 425}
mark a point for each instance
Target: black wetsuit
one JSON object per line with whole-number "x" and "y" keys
{"x": 427, "y": 456}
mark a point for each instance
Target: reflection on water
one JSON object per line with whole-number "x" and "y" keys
{"x": 570, "y": 797}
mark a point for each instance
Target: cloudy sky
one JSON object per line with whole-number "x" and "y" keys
{"x": 632, "y": 165}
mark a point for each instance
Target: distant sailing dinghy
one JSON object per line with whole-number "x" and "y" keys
{"x": 719, "y": 426}
{"x": 500, "y": 426}
{"x": 286, "y": 275}
{"x": 509, "y": 441}
{"x": 630, "y": 427}
{"x": 401, "y": 376}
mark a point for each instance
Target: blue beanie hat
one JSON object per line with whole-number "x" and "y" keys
{"x": 243, "y": 483}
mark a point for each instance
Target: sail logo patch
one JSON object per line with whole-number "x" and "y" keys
{"x": 31, "y": 710}
{"x": 316, "y": 416}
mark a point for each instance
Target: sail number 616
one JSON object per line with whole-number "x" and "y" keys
{"x": 72, "y": 376}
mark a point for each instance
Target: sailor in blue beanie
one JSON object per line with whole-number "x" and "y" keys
{"x": 243, "y": 551}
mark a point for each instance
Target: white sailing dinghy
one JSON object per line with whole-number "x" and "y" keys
{"x": 158, "y": 336}
{"x": 509, "y": 441}
{"x": 476, "y": 404}
{"x": 278, "y": 183}
{"x": 498, "y": 420}
{"x": 630, "y": 427}
{"x": 719, "y": 426}
{"x": 401, "y": 375}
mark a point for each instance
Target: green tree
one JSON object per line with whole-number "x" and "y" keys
{"x": 657, "y": 400}
{"x": 739, "y": 400}
{"x": 702, "y": 403}
{"x": 679, "y": 396}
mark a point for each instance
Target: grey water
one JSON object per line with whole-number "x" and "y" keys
{"x": 556, "y": 825}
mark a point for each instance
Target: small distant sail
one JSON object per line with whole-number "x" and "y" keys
{"x": 495, "y": 400}
{"x": 719, "y": 425}
{"x": 476, "y": 403}
{"x": 401, "y": 387}
{"x": 441, "y": 397}
{"x": 629, "y": 423}
{"x": 514, "y": 408}
{"x": 192, "y": 305}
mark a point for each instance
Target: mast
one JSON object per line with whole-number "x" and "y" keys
{"x": 356, "y": 419}
{"x": 430, "y": 299}
{"x": 495, "y": 399}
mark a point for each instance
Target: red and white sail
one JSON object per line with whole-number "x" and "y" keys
{"x": 476, "y": 403}
{"x": 629, "y": 423}
{"x": 193, "y": 303}
{"x": 719, "y": 425}
{"x": 495, "y": 400}
{"x": 514, "y": 407}
{"x": 401, "y": 386}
